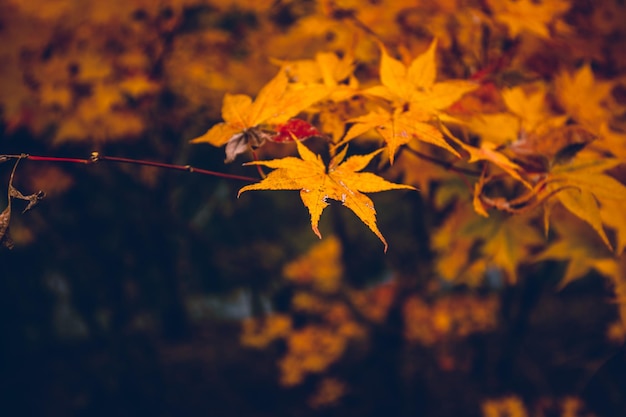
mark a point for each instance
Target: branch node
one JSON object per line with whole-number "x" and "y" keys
{"x": 95, "y": 157}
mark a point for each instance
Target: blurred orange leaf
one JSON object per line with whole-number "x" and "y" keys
{"x": 528, "y": 15}
{"x": 588, "y": 186}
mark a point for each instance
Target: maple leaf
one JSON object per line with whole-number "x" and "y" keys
{"x": 612, "y": 142}
{"x": 453, "y": 249}
{"x": 334, "y": 72}
{"x": 275, "y": 104}
{"x": 341, "y": 181}
{"x": 532, "y": 109}
{"x": 587, "y": 184}
{"x": 415, "y": 85}
{"x": 320, "y": 266}
{"x": 527, "y": 15}
{"x": 488, "y": 152}
{"x": 506, "y": 240}
{"x": 510, "y": 244}
{"x": 398, "y": 129}
{"x": 528, "y": 116}
{"x": 612, "y": 215}
{"x": 536, "y": 136}
{"x": 582, "y": 96}
{"x": 582, "y": 252}
{"x": 497, "y": 128}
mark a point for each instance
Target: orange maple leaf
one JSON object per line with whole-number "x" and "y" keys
{"x": 341, "y": 181}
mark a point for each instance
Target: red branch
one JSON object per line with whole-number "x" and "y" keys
{"x": 96, "y": 157}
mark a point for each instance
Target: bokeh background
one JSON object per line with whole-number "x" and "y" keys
{"x": 135, "y": 291}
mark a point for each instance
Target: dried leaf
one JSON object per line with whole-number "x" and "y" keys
{"x": 5, "y": 219}
{"x": 31, "y": 198}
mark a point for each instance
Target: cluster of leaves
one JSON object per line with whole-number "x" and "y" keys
{"x": 514, "y": 406}
{"x": 522, "y": 161}
{"x": 543, "y": 141}
{"x": 507, "y": 117}
{"x": 327, "y": 318}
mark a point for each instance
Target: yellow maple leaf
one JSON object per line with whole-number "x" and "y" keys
{"x": 275, "y": 103}
{"x": 341, "y": 181}
{"x": 612, "y": 142}
{"x": 581, "y": 251}
{"x": 506, "y": 240}
{"x": 587, "y": 187}
{"x": 453, "y": 249}
{"x": 334, "y": 72}
{"x": 612, "y": 215}
{"x": 530, "y": 128}
{"x": 488, "y": 152}
{"x": 416, "y": 84}
{"x": 583, "y": 97}
{"x": 527, "y": 15}
{"x": 398, "y": 129}
{"x": 532, "y": 109}
{"x": 510, "y": 244}
{"x": 498, "y": 128}
{"x": 320, "y": 266}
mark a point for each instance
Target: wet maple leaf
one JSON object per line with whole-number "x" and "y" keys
{"x": 417, "y": 100}
{"x": 398, "y": 129}
{"x": 317, "y": 184}
{"x": 276, "y": 103}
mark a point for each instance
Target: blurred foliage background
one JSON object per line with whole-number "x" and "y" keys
{"x": 135, "y": 291}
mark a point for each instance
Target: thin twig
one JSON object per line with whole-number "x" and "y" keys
{"x": 97, "y": 157}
